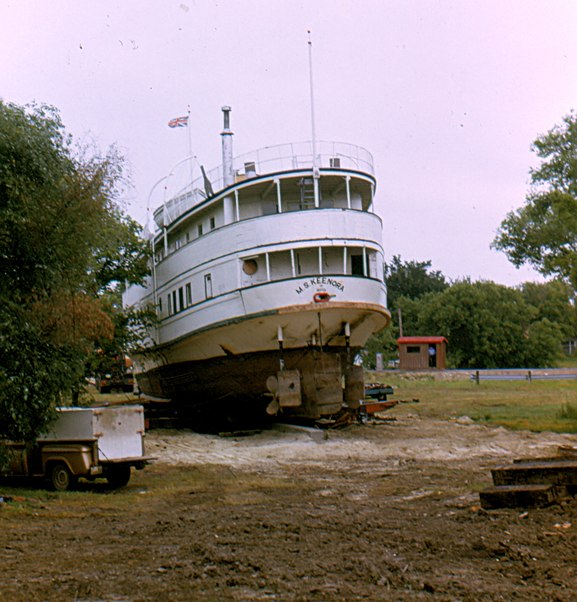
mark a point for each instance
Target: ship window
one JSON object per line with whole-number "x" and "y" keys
{"x": 208, "y": 286}
{"x": 160, "y": 305}
{"x": 188, "y": 291}
{"x": 180, "y": 299}
{"x": 188, "y": 237}
{"x": 174, "y": 306}
{"x": 307, "y": 262}
{"x": 357, "y": 265}
{"x": 212, "y": 223}
{"x": 199, "y": 229}
{"x": 249, "y": 267}
{"x": 169, "y": 299}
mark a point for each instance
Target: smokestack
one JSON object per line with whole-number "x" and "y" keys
{"x": 227, "y": 168}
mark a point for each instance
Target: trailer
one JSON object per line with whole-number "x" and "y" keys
{"x": 115, "y": 374}
{"x": 98, "y": 442}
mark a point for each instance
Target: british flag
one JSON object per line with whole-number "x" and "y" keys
{"x": 178, "y": 122}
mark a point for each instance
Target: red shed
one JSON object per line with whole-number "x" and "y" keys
{"x": 422, "y": 353}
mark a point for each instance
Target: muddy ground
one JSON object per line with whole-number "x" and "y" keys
{"x": 372, "y": 512}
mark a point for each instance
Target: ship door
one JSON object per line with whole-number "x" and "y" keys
{"x": 357, "y": 265}
{"x": 208, "y": 286}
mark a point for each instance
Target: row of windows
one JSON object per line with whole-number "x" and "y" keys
{"x": 274, "y": 266}
{"x": 296, "y": 195}
{"x": 181, "y": 298}
{"x": 177, "y": 300}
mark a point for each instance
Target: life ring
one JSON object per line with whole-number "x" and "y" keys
{"x": 321, "y": 297}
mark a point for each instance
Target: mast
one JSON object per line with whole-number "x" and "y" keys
{"x": 316, "y": 173}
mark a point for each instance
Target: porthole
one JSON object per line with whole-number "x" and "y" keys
{"x": 249, "y": 266}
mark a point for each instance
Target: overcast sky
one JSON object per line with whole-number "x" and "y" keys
{"x": 447, "y": 95}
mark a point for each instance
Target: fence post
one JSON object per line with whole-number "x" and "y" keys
{"x": 477, "y": 377}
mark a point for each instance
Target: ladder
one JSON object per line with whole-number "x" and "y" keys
{"x": 307, "y": 186}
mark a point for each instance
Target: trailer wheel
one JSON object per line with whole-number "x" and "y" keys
{"x": 61, "y": 478}
{"x": 118, "y": 476}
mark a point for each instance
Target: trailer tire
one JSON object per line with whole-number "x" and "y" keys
{"x": 61, "y": 478}
{"x": 118, "y": 476}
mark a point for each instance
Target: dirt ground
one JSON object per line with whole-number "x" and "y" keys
{"x": 371, "y": 512}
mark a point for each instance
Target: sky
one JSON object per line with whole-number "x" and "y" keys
{"x": 447, "y": 95}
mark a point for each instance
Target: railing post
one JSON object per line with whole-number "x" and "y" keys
{"x": 278, "y": 195}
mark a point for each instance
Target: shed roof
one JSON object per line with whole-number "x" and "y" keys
{"x": 417, "y": 340}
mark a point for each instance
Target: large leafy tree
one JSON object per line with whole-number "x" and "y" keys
{"x": 489, "y": 326}
{"x": 411, "y": 279}
{"x": 65, "y": 248}
{"x": 407, "y": 281}
{"x": 554, "y": 302}
{"x": 543, "y": 233}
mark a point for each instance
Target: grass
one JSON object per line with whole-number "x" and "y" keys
{"x": 148, "y": 489}
{"x": 520, "y": 405}
{"x": 539, "y": 405}
{"x": 568, "y": 412}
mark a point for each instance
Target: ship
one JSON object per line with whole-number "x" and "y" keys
{"x": 267, "y": 280}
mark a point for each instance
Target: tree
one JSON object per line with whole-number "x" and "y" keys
{"x": 554, "y": 302}
{"x": 64, "y": 246}
{"x": 411, "y": 279}
{"x": 489, "y": 326}
{"x": 406, "y": 282}
{"x": 543, "y": 233}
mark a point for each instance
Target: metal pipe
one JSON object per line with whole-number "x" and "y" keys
{"x": 227, "y": 166}
{"x": 280, "y": 338}
{"x": 226, "y": 134}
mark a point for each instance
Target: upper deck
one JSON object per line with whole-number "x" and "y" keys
{"x": 179, "y": 193}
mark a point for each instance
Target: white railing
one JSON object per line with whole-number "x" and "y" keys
{"x": 179, "y": 194}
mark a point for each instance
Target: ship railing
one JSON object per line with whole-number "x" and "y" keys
{"x": 180, "y": 194}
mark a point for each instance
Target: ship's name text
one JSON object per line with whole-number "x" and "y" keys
{"x": 320, "y": 281}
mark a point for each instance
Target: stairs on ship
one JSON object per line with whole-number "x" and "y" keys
{"x": 307, "y": 186}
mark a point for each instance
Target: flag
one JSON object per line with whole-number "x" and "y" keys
{"x": 178, "y": 122}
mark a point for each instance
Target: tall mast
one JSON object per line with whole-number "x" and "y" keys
{"x": 316, "y": 174}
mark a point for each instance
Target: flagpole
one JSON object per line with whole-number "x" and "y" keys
{"x": 189, "y": 148}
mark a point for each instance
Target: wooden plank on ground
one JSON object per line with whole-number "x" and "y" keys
{"x": 558, "y": 472}
{"x": 520, "y": 496}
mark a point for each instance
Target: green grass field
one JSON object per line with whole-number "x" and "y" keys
{"x": 537, "y": 406}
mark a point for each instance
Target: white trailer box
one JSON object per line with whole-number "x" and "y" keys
{"x": 119, "y": 430}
